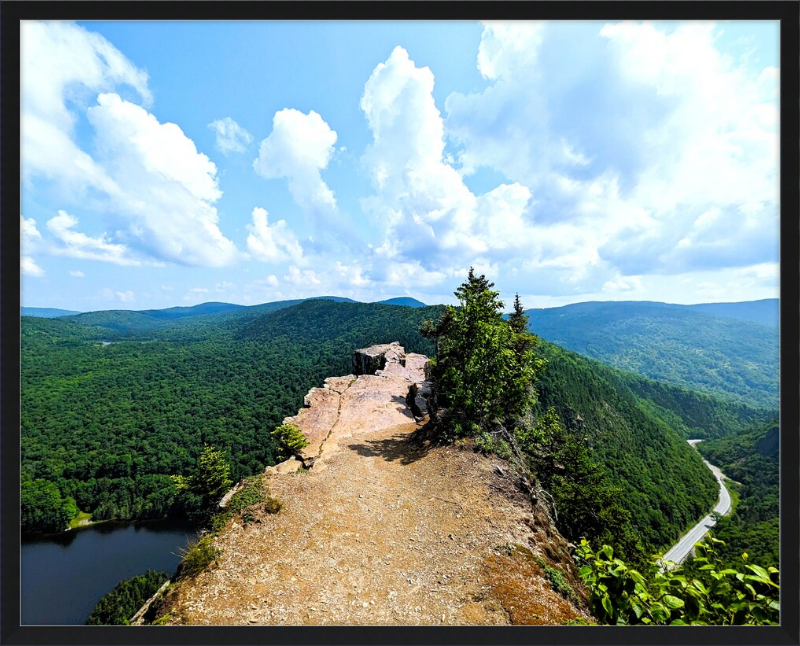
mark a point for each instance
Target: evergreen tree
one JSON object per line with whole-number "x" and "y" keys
{"x": 211, "y": 478}
{"x": 484, "y": 369}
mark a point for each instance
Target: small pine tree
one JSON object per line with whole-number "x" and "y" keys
{"x": 210, "y": 479}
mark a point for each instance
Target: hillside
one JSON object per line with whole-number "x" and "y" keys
{"x": 664, "y": 483}
{"x": 733, "y": 359}
{"x": 764, "y": 312}
{"x": 45, "y": 312}
{"x": 403, "y": 300}
{"x": 383, "y": 529}
{"x": 751, "y": 459}
{"x": 107, "y": 425}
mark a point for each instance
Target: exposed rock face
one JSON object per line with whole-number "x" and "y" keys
{"x": 367, "y": 361}
{"x": 374, "y": 398}
{"x": 382, "y": 530}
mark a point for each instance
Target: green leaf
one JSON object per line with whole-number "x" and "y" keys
{"x": 672, "y": 602}
{"x": 606, "y": 601}
{"x": 760, "y": 571}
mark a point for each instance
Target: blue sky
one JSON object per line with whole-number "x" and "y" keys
{"x": 175, "y": 163}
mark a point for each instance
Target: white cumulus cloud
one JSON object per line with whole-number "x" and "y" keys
{"x": 672, "y": 168}
{"x": 274, "y": 243}
{"x": 298, "y": 148}
{"x": 434, "y": 223}
{"x": 75, "y": 244}
{"x": 165, "y": 189}
{"x": 304, "y": 278}
{"x": 30, "y": 268}
{"x": 231, "y": 137}
{"x": 61, "y": 61}
{"x": 156, "y": 191}
{"x": 76, "y": 273}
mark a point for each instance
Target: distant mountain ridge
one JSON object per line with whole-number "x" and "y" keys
{"x": 765, "y": 312}
{"x": 45, "y": 312}
{"x": 725, "y": 357}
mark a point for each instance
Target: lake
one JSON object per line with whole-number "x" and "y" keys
{"x": 64, "y": 576}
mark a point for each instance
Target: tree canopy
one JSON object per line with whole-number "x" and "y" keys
{"x": 485, "y": 367}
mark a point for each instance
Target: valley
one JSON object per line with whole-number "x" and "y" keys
{"x": 226, "y": 377}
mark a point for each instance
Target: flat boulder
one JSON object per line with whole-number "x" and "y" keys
{"x": 367, "y": 361}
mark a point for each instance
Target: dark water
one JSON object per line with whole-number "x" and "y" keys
{"x": 63, "y": 577}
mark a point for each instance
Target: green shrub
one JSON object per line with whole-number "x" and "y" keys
{"x": 197, "y": 557}
{"x": 272, "y": 505}
{"x": 557, "y": 581}
{"x": 290, "y": 440}
{"x": 665, "y": 595}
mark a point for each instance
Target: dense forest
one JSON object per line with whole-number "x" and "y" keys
{"x": 751, "y": 460}
{"x": 105, "y": 426}
{"x": 125, "y": 599}
{"x": 664, "y": 485}
{"x": 725, "y": 357}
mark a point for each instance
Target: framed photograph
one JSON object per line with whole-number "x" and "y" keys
{"x": 400, "y": 323}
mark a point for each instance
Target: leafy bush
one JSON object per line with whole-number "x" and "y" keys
{"x": 272, "y": 505}
{"x": 665, "y": 595}
{"x": 251, "y": 493}
{"x": 290, "y": 440}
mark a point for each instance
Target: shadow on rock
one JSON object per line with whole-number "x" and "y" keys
{"x": 397, "y": 448}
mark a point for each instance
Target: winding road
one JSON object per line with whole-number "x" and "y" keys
{"x": 683, "y": 547}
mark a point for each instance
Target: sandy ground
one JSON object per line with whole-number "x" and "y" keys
{"x": 389, "y": 531}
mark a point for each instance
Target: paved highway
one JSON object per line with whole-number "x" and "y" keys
{"x": 681, "y": 549}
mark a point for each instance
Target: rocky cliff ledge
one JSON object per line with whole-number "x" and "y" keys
{"x": 374, "y": 397}
{"x": 385, "y": 528}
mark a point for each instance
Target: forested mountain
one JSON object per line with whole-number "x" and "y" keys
{"x": 751, "y": 459}
{"x": 194, "y": 310}
{"x": 403, "y": 300}
{"x": 45, "y": 312}
{"x": 729, "y": 358}
{"x": 664, "y": 484}
{"x": 765, "y": 312}
{"x": 693, "y": 414}
{"x": 108, "y": 424}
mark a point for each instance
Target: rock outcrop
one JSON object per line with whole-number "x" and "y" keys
{"x": 376, "y": 396}
{"x": 385, "y": 528}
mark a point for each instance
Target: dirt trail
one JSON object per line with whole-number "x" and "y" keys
{"x": 388, "y": 531}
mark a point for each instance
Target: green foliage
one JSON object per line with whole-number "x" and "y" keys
{"x": 118, "y": 606}
{"x": 289, "y": 440}
{"x": 485, "y": 368}
{"x": 557, "y": 581}
{"x": 210, "y": 479}
{"x": 732, "y": 359}
{"x": 250, "y": 493}
{"x": 713, "y": 595}
{"x": 586, "y": 502}
{"x": 272, "y": 505}
{"x": 663, "y": 483}
{"x": 197, "y": 557}
{"x": 43, "y": 508}
{"x": 691, "y": 413}
{"x": 108, "y": 425}
{"x": 751, "y": 459}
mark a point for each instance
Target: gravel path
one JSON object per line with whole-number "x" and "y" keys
{"x": 384, "y": 529}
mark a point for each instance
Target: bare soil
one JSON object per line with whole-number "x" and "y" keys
{"x": 389, "y": 533}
